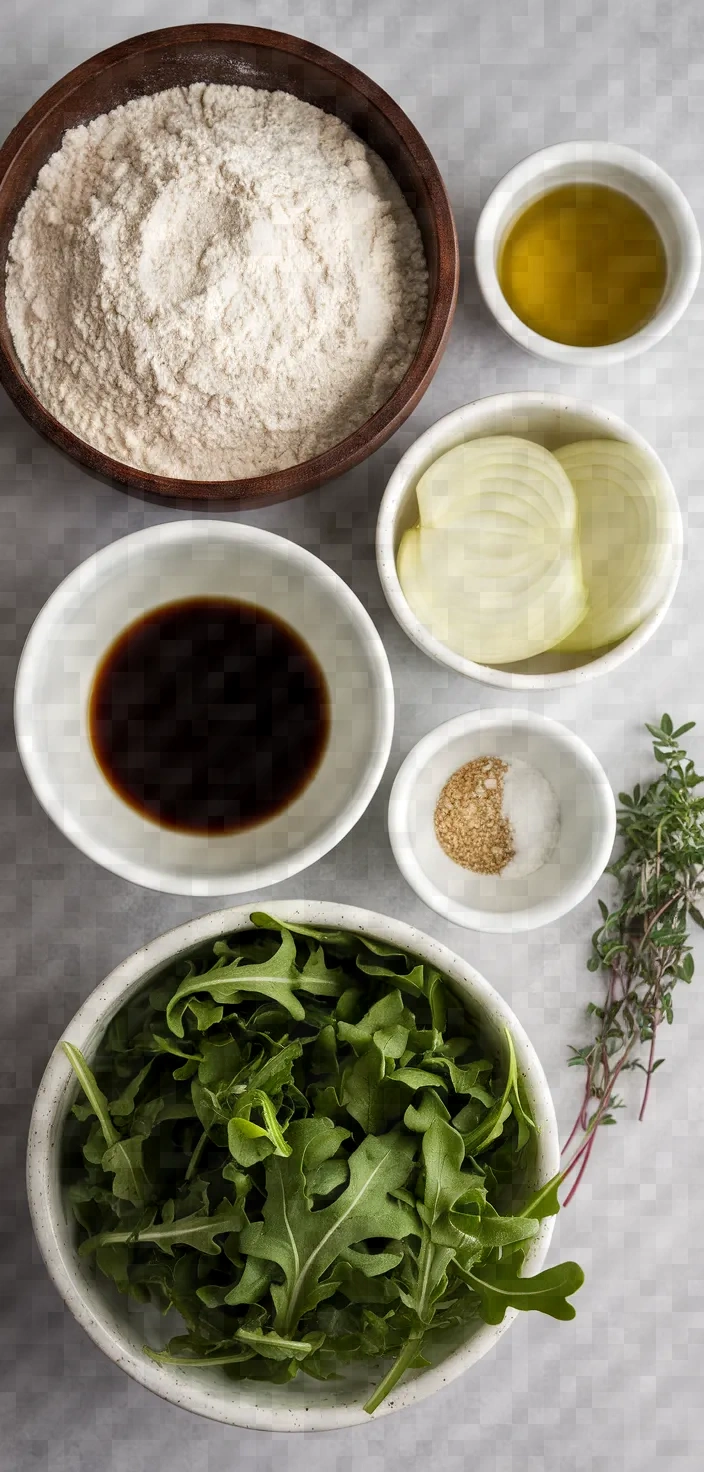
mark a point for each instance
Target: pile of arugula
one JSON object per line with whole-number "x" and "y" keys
{"x": 302, "y": 1147}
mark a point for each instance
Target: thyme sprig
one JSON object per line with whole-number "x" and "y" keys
{"x": 642, "y": 946}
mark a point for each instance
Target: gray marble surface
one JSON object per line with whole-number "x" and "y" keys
{"x": 486, "y": 81}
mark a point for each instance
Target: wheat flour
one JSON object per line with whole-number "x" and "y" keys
{"x": 215, "y": 282}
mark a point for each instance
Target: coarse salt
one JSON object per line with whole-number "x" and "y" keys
{"x": 533, "y": 811}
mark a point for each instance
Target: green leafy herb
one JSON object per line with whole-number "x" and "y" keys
{"x": 642, "y": 946}
{"x": 296, "y": 1141}
{"x": 499, "y": 1287}
{"x": 306, "y": 1243}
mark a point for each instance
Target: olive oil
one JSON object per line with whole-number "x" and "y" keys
{"x": 583, "y": 265}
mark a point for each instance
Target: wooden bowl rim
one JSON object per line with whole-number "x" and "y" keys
{"x": 282, "y": 484}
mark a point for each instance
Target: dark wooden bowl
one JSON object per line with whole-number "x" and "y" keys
{"x": 241, "y": 55}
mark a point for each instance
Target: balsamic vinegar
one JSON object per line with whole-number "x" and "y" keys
{"x": 209, "y": 715}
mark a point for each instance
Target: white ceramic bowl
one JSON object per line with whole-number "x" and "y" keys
{"x": 183, "y": 559}
{"x": 594, "y": 163}
{"x": 552, "y": 421}
{"x": 117, "y": 1326}
{"x": 489, "y": 902}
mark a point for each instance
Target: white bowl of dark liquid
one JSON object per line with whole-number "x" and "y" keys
{"x": 204, "y": 708}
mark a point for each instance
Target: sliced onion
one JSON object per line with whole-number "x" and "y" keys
{"x": 515, "y": 478}
{"x": 493, "y": 571}
{"x": 626, "y": 538}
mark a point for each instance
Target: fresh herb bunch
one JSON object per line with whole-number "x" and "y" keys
{"x": 302, "y": 1147}
{"x": 642, "y": 944}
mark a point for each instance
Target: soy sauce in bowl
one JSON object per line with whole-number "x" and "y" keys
{"x": 209, "y": 716}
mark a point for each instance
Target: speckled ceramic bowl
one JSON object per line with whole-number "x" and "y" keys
{"x": 172, "y": 561}
{"x": 626, "y": 171}
{"x": 487, "y": 901}
{"x": 553, "y": 421}
{"x": 119, "y": 1328}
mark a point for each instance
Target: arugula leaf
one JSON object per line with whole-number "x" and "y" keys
{"x": 273, "y": 1346}
{"x": 113, "y": 1261}
{"x": 219, "y": 1062}
{"x": 371, "y": 1264}
{"x": 271, "y": 1130}
{"x": 499, "y": 1288}
{"x": 386, "y": 1016}
{"x": 327, "y": 1177}
{"x": 124, "y": 1161}
{"x": 167, "y": 1045}
{"x": 197, "y": 1231}
{"x": 492, "y": 1126}
{"x": 446, "y": 1183}
{"x": 319, "y": 979}
{"x": 207, "y": 1014}
{"x": 430, "y": 1108}
{"x": 360, "y": 1288}
{"x": 94, "y": 1095}
{"x": 411, "y": 982}
{"x": 544, "y": 1202}
{"x": 256, "y": 1279}
{"x": 425, "y": 1275}
{"x": 304, "y": 1243}
{"x": 417, "y": 1078}
{"x": 125, "y": 1102}
{"x": 272, "y": 1076}
{"x": 249, "y": 1144}
{"x": 225, "y": 1357}
{"x": 362, "y": 1093}
{"x": 467, "y": 1080}
{"x": 275, "y": 979}
{"x": 480, "y": 1234}
{"x": 323, "y": 1054}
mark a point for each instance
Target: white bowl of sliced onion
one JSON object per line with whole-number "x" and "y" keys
{"x": 530, "y": 541}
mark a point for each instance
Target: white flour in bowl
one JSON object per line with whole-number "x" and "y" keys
{"x": 215, "y": 282}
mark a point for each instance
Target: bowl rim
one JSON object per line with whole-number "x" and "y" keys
{"x": 545, "y": 912}
{"x": 639, "y": 166}
{"x": 368, "y": 437}
{"x": 404, "y": 475}
{"x": 58, "y": 1080}
{"x": 88, "y": 575}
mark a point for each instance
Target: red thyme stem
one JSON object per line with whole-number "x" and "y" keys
{"x": 595, "y": 1121}
{"x": 582, "y": 1120}
{"x": 585, "y": 1162}
{"x": 651, "y": 1056}
{"x": 578, "y": 1122}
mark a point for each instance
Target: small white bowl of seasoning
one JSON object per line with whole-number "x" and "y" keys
{"x": 502, "y": 820}
{"x": 587, "y": 253}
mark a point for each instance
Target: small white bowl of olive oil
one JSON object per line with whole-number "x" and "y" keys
{"x": 587, "y": 253}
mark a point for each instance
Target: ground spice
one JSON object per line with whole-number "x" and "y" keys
{"x": 469, "y": 823}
